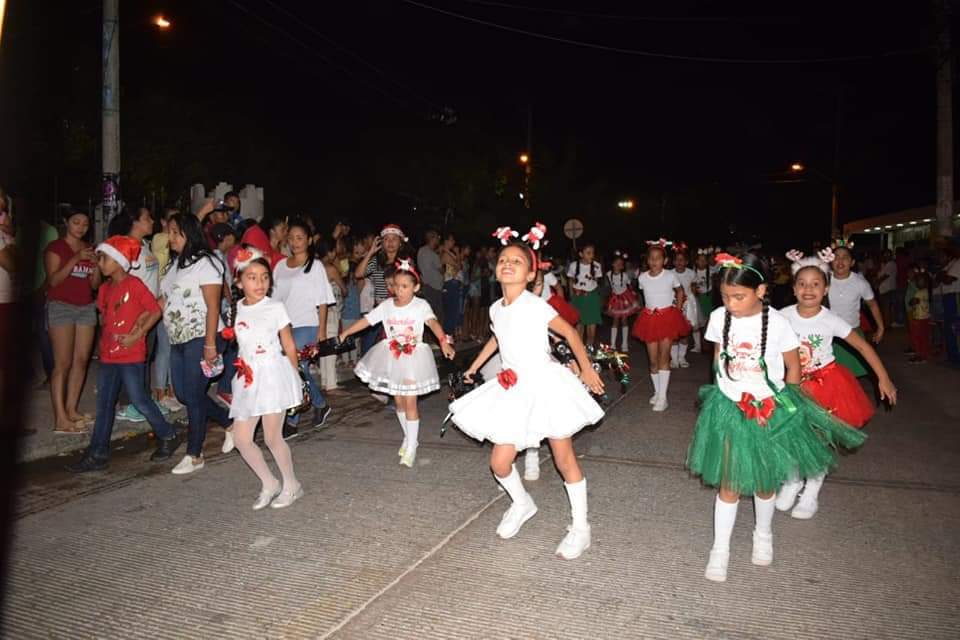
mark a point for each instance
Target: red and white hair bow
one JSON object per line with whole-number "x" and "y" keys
{"x": 679, "y": 247}
{"x": 663, "y": 243}
{"x": 621, "y": 254}
{"x": 405, "y": 264}
{"x": 535, "y": 235}
{"x": 505, "y": 235}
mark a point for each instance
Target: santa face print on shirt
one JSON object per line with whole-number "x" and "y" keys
{"x": 746, "y": 361}
{"x": 809, "y": 345}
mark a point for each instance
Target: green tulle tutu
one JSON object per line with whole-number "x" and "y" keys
{"x": 737, "y": 453}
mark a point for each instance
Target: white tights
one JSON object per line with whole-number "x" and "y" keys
{"x": 253, "y": 456}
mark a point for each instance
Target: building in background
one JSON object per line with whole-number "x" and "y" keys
{"x": 251, "y": 198}
{"x": 909, "y": 227}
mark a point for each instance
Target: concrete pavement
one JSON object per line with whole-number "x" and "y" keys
{"x": 375, "y": 550}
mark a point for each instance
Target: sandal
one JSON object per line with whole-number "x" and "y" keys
{"x": 77, "y": 427}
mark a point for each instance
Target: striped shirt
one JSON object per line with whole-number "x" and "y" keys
{"x": 375, "y": 273}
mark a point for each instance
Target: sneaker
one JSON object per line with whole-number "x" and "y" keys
{"x": 661, "y": 404}
{"x": 163, "y": 410}
{"x": 130, "y": 414}
{"x": 165, "y": 448}
{"x": 762, "y": 549}
{"x": 806, "y": 508}
{"x": 515, "y": 517}
{"x": 265, "y": 498}
{"x": 717, "y": 566}
{"x": 287, "y": 498}
{"x": 88, "y": 463}
{"x": 684, "y": 364}
{"x": 228, "y": 443}
{"x": 187, "y": 465}
{"x": 531, "y": 468}
{"x": 290, "y": 430}
{"x": 574, "y": 543}
{"x": 403, "y": 449}
{"x": 787, "y": 495}
{"x": 320, "y": 415}
{"x": 409, "y": 457}
{"x": 171, "y": 403}
{"x": 653, "y": 398}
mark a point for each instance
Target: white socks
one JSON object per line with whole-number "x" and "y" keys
{"x": 513, "y": 485}
{"x": 626, "y": 339}
{"x": 613, "y": 336}
{"x": 724, "y": 517}
{"x": 655, "y": 377}
{"x": 675, "y": 354}
{"x": 413, "y": 433}
{"x": 764, "y": 510}
{"x": 682, "y": 350}
{"x": 577, "y": 494}
{"x": 402, "y": 419}
{"x": 664, "y": 375}
{"x": 696, "y": 340}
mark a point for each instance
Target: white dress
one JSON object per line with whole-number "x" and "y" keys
{"x": 402, "y": 364}
{"x": 547, "y": 400}
{"x": 266, "y": 382}
{"x": 691, "y": 306}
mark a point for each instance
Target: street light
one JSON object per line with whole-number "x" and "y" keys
{"x": 161, "y": 22}
{"x": 527, "y": 170}
{"x": 626, "y": 204}
{"x": 524, "y": 158}
{"x": 797, "y": 167}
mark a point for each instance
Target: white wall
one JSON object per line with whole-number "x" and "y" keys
{"x": 251, "y": 198}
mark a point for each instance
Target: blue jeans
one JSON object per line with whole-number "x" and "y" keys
{"x": 951, "y": 315}
{"x": 230, "y": 353}
{"x": 451, "y": 306}
{"x": 303, "y": 336}
{"x": 191, "y": 385}
{"x": 161, "y": 359}
{"x": 110, "y": 377}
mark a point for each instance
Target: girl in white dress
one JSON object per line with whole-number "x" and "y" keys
{"x": 402, "y": 365}
{"x": 691, "y": 308}
{"x": 531, "y": 398}
{"x": 266, "y": 383}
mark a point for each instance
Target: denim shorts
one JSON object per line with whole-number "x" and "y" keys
{"x": 61, "y": 314}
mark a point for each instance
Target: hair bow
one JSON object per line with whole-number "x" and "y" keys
{"x": 535, "y": 235}
{"x": 621, "y": 254}
{"x": 679, "y": 247}
{"x": 728, "y": 261}
{"x": 244, "y": 257}
{"x": 505, "y": 235}
{"x": 845, "y": 243}
{"x": 663, "y": 243}
{"x": 405, "y": 264}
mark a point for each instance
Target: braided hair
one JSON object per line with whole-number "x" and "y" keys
{"x": 751, "y": 278}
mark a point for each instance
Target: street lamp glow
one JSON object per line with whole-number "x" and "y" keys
{"x": 625, "y": 204}
{"x": 524, "y": 158}
{"x": 796, "y": 166}
{"x": 161, "y": 22}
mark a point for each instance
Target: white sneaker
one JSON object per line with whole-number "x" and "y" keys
{"x": 717, "y": 566}
{"x": 788, "y": 494}
{"x": 265, "y": 498}
{"x": 531, "y": 468}
{"x": 762, "y": 549}
{"x": 806, "y": 508}
{"x": 402, "y": 450}
{"x": 228, "y": 443}
{"x": 653, "y": 398}
{"x": 515, "y": 517}
{"x": 574, "y": 543}
{"x": 674, "y": 364}
{"x": 661, "y": 404}
{"x": 409, "y": 457}
{"x": 187, "y": 465}
{"x": 684, "y": 364}
{"x": 287, "y": 498}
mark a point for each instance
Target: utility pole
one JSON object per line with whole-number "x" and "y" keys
{"x": 110, "y": 116}
{"x": 944, "y": 62}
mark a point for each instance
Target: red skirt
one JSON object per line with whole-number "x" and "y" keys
{"x": 623, "y": 304}
{"x": 836, "y": 389}
{"x": 660, "y": 324}
{"x": 564, "y": 309}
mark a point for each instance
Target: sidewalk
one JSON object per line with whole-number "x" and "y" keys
{"x": 375, "y": 550}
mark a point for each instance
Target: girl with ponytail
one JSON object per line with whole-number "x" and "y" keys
{"x": 755, "y": 428}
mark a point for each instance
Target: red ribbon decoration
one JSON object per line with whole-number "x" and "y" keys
{"x": 507, "y": 378}
{"x": 243, "y": 369}
{"x": 759, "y": 410}
{"x": 398, "y": 349}
{"x": 228, "y": 334}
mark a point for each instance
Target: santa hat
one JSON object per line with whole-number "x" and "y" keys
{"x": 124, "y": 250}
{"x": 393, "y": 230}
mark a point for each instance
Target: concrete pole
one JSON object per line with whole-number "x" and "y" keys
{"x": 944, "y": 225}
{"x": 110, "y": 116}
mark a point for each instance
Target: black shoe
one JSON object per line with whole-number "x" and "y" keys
{"x": 320, "y": 415}
{"x": 88, "y": 463}
{"x": 289, "y": 430}
{"x": 165, "y": 448}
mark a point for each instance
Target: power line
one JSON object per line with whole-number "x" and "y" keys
{"x": 611, "y": 16}
{"x": 337, "y": 45}
{"x": 660, "y": 55}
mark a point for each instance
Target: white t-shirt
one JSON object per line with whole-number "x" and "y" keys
{"x": 185, "y": 312}
{"x": 6, "y": 278}
{"x": 845, "y": 296}
{"x": 522, "y": 331}
{"x": 258, "y": 327}
{"x": 403, "y": 323}
{"x": 686, "y": 278}
{"x": 658, "y": 290}
{"x": 301, "y": 292}
{"x": 889, "y": 283}
{"x": 703, "y": 279}
{"x": 743, "y": 345}
{"x": 589, "y": 276}
{"x": 953, "y": 269}
{"x": 148, "y": 269}
{"x": 549, "y": 282}
{"x": 816, "y": 336}
{"x": 619, "y": 282}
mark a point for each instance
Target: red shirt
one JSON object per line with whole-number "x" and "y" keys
{"x": 120, "y": 305}
{"x": 75, "y": 288}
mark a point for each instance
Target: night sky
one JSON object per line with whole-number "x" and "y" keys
{"x": 322, "y": 103}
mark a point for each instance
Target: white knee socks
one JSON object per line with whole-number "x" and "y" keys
{"x": 763, "y": 511}
{"x": 577, "y": 494}
{"x": 513, "y": 485}
{"x": 696, "y": 340}
{"x": 675, "y": 353}
{"x": 682, "y": 351}
{"x": 664, "y": 375}
{"x": 655, "y": 377}
{"x": 413, "y": 434}
{"x": 626, "y": 339}
{"x": 614, "y": 330}
{"x": 724, "y": 517}
{"x": 402, "y": 419}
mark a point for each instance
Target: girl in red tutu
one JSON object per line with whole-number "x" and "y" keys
{"x": 623, "y": 301}
{"x": 827, "y": 381}
{"x": 661, "y": 321}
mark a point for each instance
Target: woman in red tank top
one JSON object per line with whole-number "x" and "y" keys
{"x": 72, "y": 275}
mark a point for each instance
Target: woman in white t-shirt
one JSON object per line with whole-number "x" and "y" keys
{"x": 300, "y": 282}
{"x": 847, "y": 290}
{"x": 190, "y": 297}
{"x": 826, "y": 381}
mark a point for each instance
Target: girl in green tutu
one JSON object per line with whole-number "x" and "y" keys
{"x": 755, "y": 427}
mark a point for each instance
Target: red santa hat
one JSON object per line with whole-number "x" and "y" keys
{"x": 393, "y": 230}
{"x": 124, "y": 250}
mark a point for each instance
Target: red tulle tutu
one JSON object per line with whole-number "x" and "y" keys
{"x": 836, "y": 389}
{"x": 621, "y": 305}
{"x": 659, "y": 324}
{"x": 565, "y": 309}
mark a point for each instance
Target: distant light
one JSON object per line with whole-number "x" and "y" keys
{"x": 928, "y": 219}
{"x": 524, "y": 158}
{"x": 889, "y": 226}
{"x": 626, "y": 204}
{"x": 796, "y": 166}
{"x": 899, "y": 224}
{"x": 521, "y": 196}
{"x": 913, "y": 222}
{"x": 161, "y": 22}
